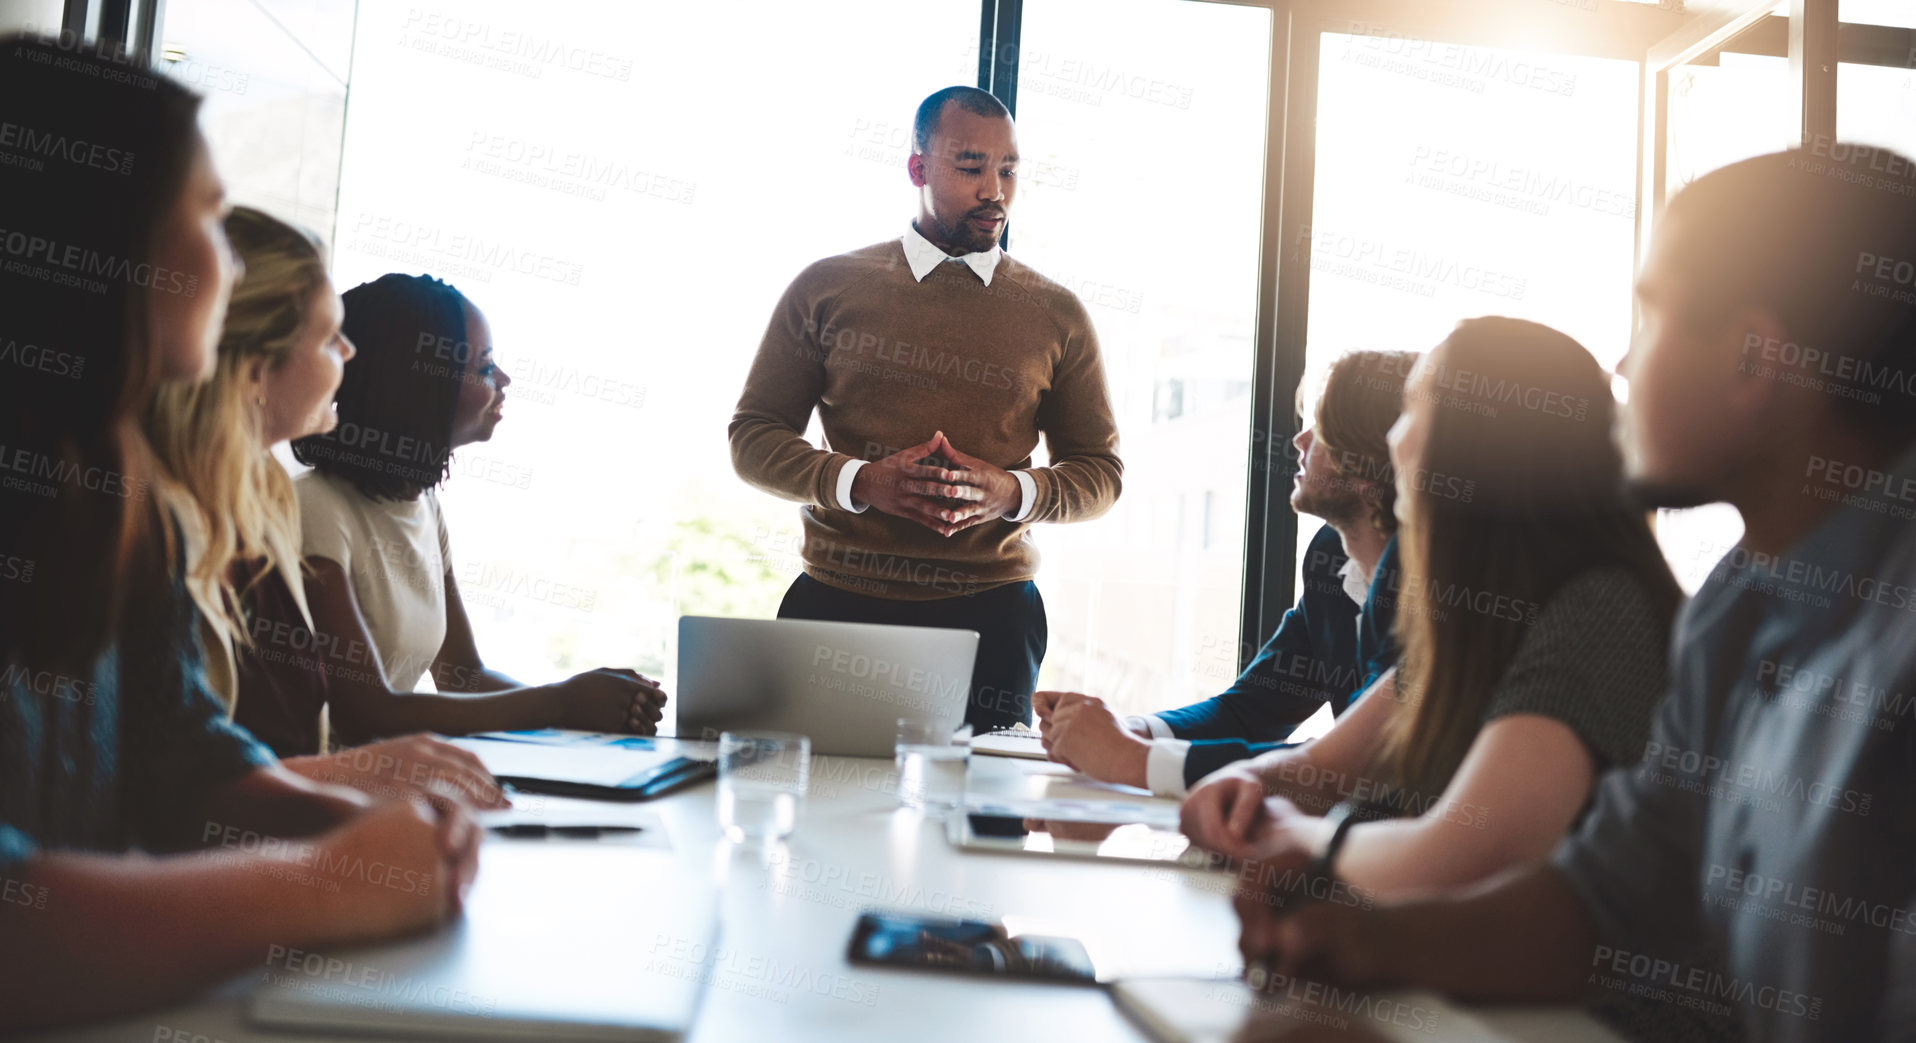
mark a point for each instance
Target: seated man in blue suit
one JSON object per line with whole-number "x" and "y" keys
{"x": 1329, "y": 647}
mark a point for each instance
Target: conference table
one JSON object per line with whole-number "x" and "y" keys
{"x": 778, "y": 969}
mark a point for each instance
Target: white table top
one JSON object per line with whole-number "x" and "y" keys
{"x": 787, "y": 914}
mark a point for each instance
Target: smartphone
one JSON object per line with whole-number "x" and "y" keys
{"x": 966, "y": 947}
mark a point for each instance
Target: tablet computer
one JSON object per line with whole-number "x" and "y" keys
{"x": 1103, "y": 841}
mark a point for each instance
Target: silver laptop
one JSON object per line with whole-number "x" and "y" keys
{"x": 560, "y": 941}
{"x": 844, "y": 684}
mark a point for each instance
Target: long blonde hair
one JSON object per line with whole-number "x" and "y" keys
{"x": 237, "y": 501}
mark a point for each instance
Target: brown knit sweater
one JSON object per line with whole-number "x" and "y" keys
{"x": 887, "y": 362}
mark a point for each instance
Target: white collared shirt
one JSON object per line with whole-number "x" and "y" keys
{"x": 1164, "y": 764}
{"x": 922, "y": 256}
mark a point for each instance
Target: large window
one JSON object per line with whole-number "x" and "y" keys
{"x": 626, "y": 201}
{"x": 1732, "y": 103}
{"x": 1142, "y": 124}
{"x": 1428, "y": 209}
{"x": 274, "y": 84}
{"x": 625, "y": 190}
{"x": 1876, "y": 101}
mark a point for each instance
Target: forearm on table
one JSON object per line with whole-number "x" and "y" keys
{"x": 1294, "y": 775}
{"x": 118, "y": 933}
{"x": 273, "y": 801}
{"x": 1522, "y": 935}
{"x": 1400, "y": 859}
{"x": 472, "y": 679}
{"x": 377, "y": 714}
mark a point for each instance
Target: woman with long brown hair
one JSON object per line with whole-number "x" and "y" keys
{"x": 116, "y": 280}
{"x": 1534, "y": 616}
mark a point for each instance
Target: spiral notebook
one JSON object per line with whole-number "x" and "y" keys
{"x": 1015, "y": 741}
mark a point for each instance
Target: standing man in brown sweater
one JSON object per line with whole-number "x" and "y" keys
{"x": 934, "y": 361}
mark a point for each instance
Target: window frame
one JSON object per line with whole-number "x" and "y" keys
{"x": 1661, "y": 36}
{"x": 1628, "y": 30}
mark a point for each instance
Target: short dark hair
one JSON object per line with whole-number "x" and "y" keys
{"x": 1363, "y": 395}
{"x": 399, "y": 393}
{"x": 1793, "y": 233}
{"x": 971, "y": 99}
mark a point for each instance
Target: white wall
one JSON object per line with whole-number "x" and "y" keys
{"x": 29, "y": 14}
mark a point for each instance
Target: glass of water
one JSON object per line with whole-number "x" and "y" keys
{"x": 931, "y": 759}
{"x": 761, "y": 783}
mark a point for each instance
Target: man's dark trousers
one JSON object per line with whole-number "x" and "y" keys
{"x": 1009, "y": 619}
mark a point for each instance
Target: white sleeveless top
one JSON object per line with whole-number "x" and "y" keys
{"x": 396, "y": 554}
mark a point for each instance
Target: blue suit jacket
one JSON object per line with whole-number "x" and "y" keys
{"x": 1325, "y": 650}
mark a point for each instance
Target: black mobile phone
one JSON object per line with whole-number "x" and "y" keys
{"x": 966, "y": 947}
{"x": 998, "y": 825}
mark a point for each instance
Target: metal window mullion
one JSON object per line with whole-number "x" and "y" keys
{"x": 1270, "y": 558}
{"x": 1813, "y": 57}
{"x": 1000, "y": 29}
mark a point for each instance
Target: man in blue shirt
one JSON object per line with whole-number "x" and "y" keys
{"x": 1328, "y": 648}
{"x": 1760, "y": 862}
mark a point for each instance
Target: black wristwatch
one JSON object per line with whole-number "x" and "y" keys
{"x": 1343, "y": 817}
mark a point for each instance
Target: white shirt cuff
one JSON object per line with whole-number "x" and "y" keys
{"x": 1150, "y": 724}
{"x": 1164, "y": 767}
{"x": 845, "y": 476}
{"x": 1028, "y": 497}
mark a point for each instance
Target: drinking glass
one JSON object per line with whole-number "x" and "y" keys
{"x": 762, "y": 781}
{"x": 931, "y": 760}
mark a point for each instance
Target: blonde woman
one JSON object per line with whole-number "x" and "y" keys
{"x": 280, "y": 358}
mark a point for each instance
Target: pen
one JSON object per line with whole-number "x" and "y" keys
{"x": 540, "y": 829}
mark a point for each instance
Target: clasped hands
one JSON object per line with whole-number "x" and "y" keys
{"x": 948, "y": 495}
